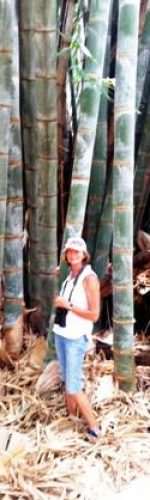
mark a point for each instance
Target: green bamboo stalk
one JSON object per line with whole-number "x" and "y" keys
{"x": 99, "y": 164}
{"x": 143, "y": 9}
{"x": 13, "y": 251}
{"x": 89, "y": 106}
{"x": 98, "y": 177}
{"x": 143, "y": 56}
{"x": 46, "y": 162}
{"x": 104, "y": 233}
{"x": 142, "y": 148}
{"x": 29, "y": 140}
{"x": 142, "y": 166}
{"x": 5, "y": 111}
{"x": 143, "y": 198}
{"x": 143, "y": 77}
{"x": 125, "y": 101}
{"x": 64, "y": 44}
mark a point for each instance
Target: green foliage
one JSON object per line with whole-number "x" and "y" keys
{"x": 78, "y": 51}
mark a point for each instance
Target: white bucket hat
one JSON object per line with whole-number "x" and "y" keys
{"x": 75, "y": 243}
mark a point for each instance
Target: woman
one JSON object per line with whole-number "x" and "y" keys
{"x": 78, "y": 308}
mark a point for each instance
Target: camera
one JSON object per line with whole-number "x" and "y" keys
{"x": 60, "y": 317}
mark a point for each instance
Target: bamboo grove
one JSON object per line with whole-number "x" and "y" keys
{"x": 74, "y": 149}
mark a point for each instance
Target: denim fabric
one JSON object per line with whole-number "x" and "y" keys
{"x": 70, "y": 354}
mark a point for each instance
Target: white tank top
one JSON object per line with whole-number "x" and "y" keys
{"x": 75, "y": 326}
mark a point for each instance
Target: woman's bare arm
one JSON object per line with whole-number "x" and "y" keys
{"x": 92, "y": 290}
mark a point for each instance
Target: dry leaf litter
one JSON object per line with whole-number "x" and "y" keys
{"x": 45, "y": 455}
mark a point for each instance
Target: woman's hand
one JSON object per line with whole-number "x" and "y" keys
{"x": 61, "y": 302}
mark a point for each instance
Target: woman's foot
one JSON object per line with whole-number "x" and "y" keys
{"x": 93, "y": 434}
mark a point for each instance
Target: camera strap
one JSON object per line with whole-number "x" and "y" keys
{"x": 74, "y": 284}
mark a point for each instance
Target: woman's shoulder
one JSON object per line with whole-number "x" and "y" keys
{"x": 88, "y": 271}
{"x": 91, "y": 281}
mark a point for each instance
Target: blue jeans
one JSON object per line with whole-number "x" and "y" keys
{"x": 70, "y": 354}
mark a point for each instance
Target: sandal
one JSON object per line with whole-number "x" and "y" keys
{"x": 93, "y": 434}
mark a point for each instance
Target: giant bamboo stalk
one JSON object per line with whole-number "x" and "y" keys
{"x": 143, "y": 201}
{"x": 5, "y": 111}
{"x": 142, "y": 142}
{"x": 29, "y": 141}
{"x": 143, "y": 56}
{"x": 98, "y": 179}
{"x": 104, "y": 233}
{"x": 143, "y": 77}
{"x": 46, "y": 161}
{"x": 13, "y": 252}
{"x": 65, "y": 39}
{"x": 125, "y": 101}
{"x": 142, "y": 166}
{"x": 89, "y": 106}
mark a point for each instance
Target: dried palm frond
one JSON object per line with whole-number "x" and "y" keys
{"x": 45, "y": 455}
{"x": 13, "y": 337}
{"x": 5, "y": 358}
{"x": 49, "y": 379}
{"x": 38, "y": 353}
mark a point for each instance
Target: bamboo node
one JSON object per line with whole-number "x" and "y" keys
{"x": 80, "y": 178}
{"x": 122, "y": 251}
{"x": 95, "y": 198}
{"x": 46, "y": 77}
{"x": 47, "y": 158}
{"x": 13, "y": 300}
{"x": 2, "y": 153}
{"x": 86, "y": 130}
{"x": 6, "y": 105}
{"x": 47, "y": 195}
{"x": 124, "y": 55}
{"x": 122, "y": 163}
{"x": 15, "y": 164}
{"x": 124, "y": 378}
{"x": 46, "y": 226}
{"x": 28, "y": 30}
{"x": 121, "y": 208}
{"x": 123, "y": 321}
{"x": 122, "y": 287}
{"x": 13, "y": 236}
{"x": 47, "y": 252}
{"x": 30, "y": 169}
{"x": 46, "y": 120}
{"x": 17, "y": 201}
{"x": 43, "y": 29}
{"x": 123, "y": 110}
{"x": 98, "y": 163}
{"x": 123, "y": 352}
{"x": 12, "y": 270}
{"x": 28, "y": 79}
